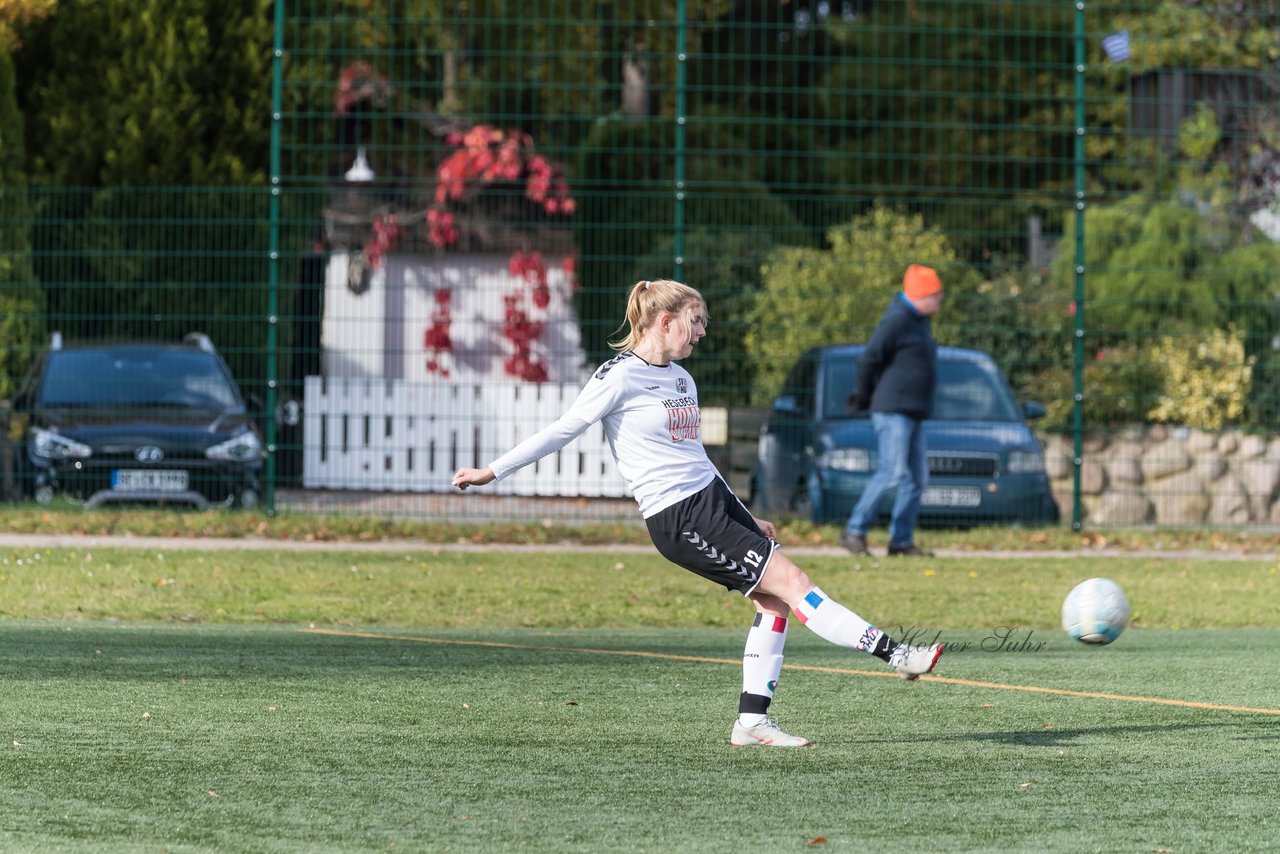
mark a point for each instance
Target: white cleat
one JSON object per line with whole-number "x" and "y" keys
{"x": 767, "y": 734}
{"x": 912, "y": 662}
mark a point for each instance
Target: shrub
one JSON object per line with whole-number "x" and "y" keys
{"x": 1016, "y": 317}
{"x": 1245, "y": 280}
{"x": 1147, "y": 268}
{"x": 1189, "y": 379}
{"x": 1120, "y": 385}
{"x": 1205, "y": 382}
{"x": 624, "y": 179}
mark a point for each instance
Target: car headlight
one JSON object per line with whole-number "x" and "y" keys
{"x": 52, "y": 446}
{"x": 846, "y": 459}
{"x": 1026, "y": 462}
{"x": 239, "y": 449}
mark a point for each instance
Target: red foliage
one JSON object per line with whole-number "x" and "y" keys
{"x": 484, "y": 156}
{"x": 481, "y": 156}
{"x": 436, "y": 340}
{"x": 530, "y": 267}
{"x": 570, "y": 265}
{"x": 386, "y": 231}
{"x": 441, "y": 229}
{"x": 522, "y": 331}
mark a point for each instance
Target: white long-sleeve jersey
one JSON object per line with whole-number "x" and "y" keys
{"x": 653, "y": 424}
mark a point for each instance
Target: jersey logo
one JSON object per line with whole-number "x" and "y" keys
{"x": 681, "y": 386}
{"x": 720, "y": 559}
{"x": 683, "y": 422}
{"x": 608, "y": 366}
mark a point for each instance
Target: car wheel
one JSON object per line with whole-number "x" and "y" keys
{"x": 801, "y": 506}
{"x": 1051, "y": 514}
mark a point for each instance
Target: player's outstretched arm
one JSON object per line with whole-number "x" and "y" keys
{"x": 472, "y": 477}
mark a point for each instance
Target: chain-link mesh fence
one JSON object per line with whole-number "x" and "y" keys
{"x": 460, "y": 194}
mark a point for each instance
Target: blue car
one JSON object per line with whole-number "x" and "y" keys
{"x": 816, "y": 453}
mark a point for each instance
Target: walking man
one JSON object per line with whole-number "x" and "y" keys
{"x": 897, "y": 373}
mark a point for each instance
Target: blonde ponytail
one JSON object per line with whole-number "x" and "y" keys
{"x": 648, "y": 300}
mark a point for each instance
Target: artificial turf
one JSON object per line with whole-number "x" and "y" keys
{"x": 186, "y": 737}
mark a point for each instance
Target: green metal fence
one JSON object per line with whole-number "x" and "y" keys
{"x": 459, "y": 195}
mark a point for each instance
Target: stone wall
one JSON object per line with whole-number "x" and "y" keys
{"x": 1169, "y": 476}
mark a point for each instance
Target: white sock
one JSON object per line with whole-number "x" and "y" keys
{"x": 836, "y": 624}
{"x": 761, "y": 666}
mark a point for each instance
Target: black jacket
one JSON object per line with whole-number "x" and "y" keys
{"x": 898, "y": 369}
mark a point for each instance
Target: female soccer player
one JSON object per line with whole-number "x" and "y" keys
{"x": 649, "y": 406}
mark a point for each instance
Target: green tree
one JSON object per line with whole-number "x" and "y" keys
{"x": 20, "y": 297}
{"x": 964, "y": 110}
{"x": 558, "y": 63}
{"x": 1193, "y": 34}
{"x": 627, "y": 210}
{"x": 148, "y": 92}
{"x": 149, "y": 127}
{"x": 549, "y": 68}
{"x": 759, "y": 71}
{"x": 14, "y": 13}
{"x": 943, "y": 107}
{"x": 1191, "y": 261}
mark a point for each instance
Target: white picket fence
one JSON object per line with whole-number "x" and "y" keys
{"x": 400, "y": 436}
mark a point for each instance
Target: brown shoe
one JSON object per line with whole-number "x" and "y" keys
{"x": 908, "y": 551}
{"x": 854, "y": 543}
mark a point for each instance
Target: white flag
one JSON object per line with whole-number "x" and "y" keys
{"x": 1117, "y": 46}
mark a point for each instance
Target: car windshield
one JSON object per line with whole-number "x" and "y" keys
{"x": 967, "y": 391}
{"x": 136, "y": 376}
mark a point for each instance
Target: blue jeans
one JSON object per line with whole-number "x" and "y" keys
{"x": 903, "y": 464}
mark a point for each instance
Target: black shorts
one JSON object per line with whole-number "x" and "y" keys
{"x": 711, "y": 533}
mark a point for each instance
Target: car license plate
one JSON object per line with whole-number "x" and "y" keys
{"x": 149, "y": 480}
{"x": 951, "y": 496}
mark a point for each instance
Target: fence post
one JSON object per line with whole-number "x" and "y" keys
{"x": 273, "y": 263}
{"x": 681, "y": 119}
{"x": 1077, "y": 428}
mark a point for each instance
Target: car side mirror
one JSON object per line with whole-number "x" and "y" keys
{"x": 289, "y": 413}
{"x": 1031, "y": 410}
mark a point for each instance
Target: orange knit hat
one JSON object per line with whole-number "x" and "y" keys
{"x": 920, "y": 281}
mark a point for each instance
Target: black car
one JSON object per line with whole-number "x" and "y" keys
{"x": 137, "y": 423}
{"x": 816, "y": 453}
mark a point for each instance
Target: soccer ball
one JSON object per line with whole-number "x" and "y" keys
{"x": 1095, "y": 611}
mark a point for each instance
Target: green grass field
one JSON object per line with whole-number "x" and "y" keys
{"x": 275, "y": 701}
